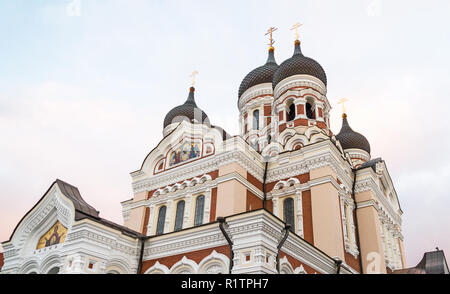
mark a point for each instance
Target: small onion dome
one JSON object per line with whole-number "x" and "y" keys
{"x": 350, "y": 139}
{"x": 260, "y": 75}
{"x": 299, "y": 64}
{"x": 187, "y": 111}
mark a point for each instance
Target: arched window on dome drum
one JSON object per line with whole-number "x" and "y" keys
{"x": 310, "y": 111}
{"x": 161, "y": 220}
{"x": 291, "y": 113}
{"x": 199, "y": 208}
{"x": 256, "y": 119}
{"x": 288, "y": 212}
{"x": 179, "y": 216}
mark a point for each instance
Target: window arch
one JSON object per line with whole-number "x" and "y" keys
{"x": 179, "y": 215}
{"x": 291, "y": 111}
{"x": 199, "y": 208}
{"x": 256, "y": 119}
{"x": 288, "y": 212}
{"x": 161, "y": 220}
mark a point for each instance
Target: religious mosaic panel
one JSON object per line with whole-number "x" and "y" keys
{"x": 56, "y": 235}
{"x": 185, "y": 152}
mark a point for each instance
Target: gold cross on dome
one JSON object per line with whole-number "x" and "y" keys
{"x": 342, "y": 101}
{"x": 193, "y": 74}
{"x": 269, "y": 32}
{"x": 295, "y": 27}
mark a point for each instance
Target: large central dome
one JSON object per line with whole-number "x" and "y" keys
{"x": 299, "y": 64}
{"x": 260, "y": 75}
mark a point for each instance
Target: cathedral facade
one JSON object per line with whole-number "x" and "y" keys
{"x": 285, "y": 195}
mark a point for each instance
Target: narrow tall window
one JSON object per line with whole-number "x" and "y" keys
{"x": 179, "y": 216}
{"x": 310, "y": 113}
{"x": 288, "y": 213}
{"x": 291, "y": 114}
{"x": 161, "y": 220}
{"x": 199, "y": 207}
{"x": 256, "y": 120}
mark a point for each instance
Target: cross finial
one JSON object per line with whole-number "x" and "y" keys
{"x": 269, "y": 32}
{"x": 193, "y": 74}
{"x": 295, "y": 27}
{"x": 342, "y": 101}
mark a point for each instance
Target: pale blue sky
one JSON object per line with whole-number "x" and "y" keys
{"x": 83, "y": 97}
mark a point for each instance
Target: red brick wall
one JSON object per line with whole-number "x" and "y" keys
{"x": 254, "y": 201}
{"x": 1, "y": 260}
{"x": 308, "y": 233}
{"x": 267, "y": 110}
{"x": 300, "y": 122}
{"x": 196, "y": 256}
{"x": 254, "y": 181}
{"x": 321, "y": 125}
{"x": 212, "y": 215}
{"x": 303, "y": 178}
{"x": 269, "y": 205}
{"x": 146, "y": 219}
{"x": 352, "y": 261}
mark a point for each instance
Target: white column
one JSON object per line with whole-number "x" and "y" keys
{"x": 187, "y": 210}
{"x": 168, "y": 216}
{"x": 150, "y": 219}
{"x": 207, "y": 207}
{"x": 299, "y": 213}
{"x": 344, "y": 219}
{"x": 275, "y": 207}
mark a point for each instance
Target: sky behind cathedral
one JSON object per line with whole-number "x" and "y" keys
{"x": 85, "y": 86}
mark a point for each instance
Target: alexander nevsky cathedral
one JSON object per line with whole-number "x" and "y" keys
{"x": 286, "y": 195}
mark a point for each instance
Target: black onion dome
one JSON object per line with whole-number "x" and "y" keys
{"x": 299, "y": 64}
{"x": 350, "y": 139}
{"x": 260, "y": 75}
{"x": 187, "y": 111}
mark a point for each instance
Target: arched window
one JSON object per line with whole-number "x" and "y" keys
{"x": 291, "y": 113}
{"x": 256, "y": 119}
{"x": 161, "y": 220}
{"x": 310, "y": 111}
{"x": 199, "y": 207}
{"x": 53, "y": 271}
{"x": 179, "y": 216}
{"x": 288, "y": 213}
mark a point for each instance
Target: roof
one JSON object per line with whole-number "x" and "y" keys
{"x": 81, "y": 206}
{"x": 260, "y": 75}
{"x": 433, "y": 262}
{"x": 82, "y": 209}
{"x": 187, "y": 111}
{"x": 299, "y": 64}
{"x": 350, "y": 139}
{"x": 224, "y": 133}
{"x": 371, "y": 163}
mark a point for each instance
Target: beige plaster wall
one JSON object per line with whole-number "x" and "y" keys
{"x": 372, "y": 253}
{"x": 402, "y": 252}
{"x": 136, "y": 220}
{"x": 231, "y": 198}
{"x": 326, "y": 219}
{"x": 233, "y": 167}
